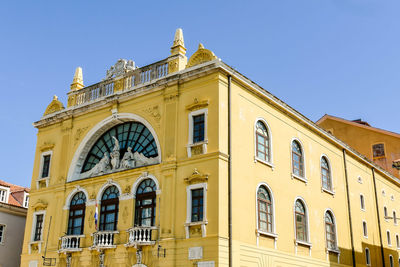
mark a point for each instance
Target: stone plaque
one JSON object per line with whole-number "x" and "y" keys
{"x": 195, "y": 253}
{"x": 206, "y": 264}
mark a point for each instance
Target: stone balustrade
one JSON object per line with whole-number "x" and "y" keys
{"x": 71, "y": 243}
{"x": 104, "y": 239}
{"x": 141, "y": 235}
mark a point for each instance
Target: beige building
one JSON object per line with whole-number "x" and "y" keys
{"x": 380, "y": 146}
{"x": 190, "y": 163}
{"x": 13, "y": 208}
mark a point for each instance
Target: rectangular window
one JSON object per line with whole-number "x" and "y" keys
{"x": 198, "y": 128}
{"x": 365, "y": 231}
{"x": 378, "y": 150}
{"x": 46, "y": 166}
{"x": 2, "y": 233}
{"x": 38, "y": 228}
{"x": 26, "y": 201}
{"x": 3, "y": 195}
{"x": 197, "y": 205}
{"x": 367, "y": 257}
{"x": 362, "y": 202}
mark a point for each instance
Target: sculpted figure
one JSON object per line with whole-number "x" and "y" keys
{"x": 115, "y": 154}
{"x": 128, "y": 161}
{"x": 101, "y": 167}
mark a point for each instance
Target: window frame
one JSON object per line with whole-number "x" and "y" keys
{"x": 394, "y": 217}
{"x": 388, "y": 238}
{"x": 303, "y": 157}
{"x": 384, "y": 150}
{"x": 362, "y": 202}
{"x": 330, "y": 172}
{"x": 189, "y": 189}
{"x": 334, "y": 229}
{"x": 191, "y": 128}
{"x": 26, "y": 200}
{"x": 367, "y": 257}
{"x": 397, "y": 241}
{"x": 385, "y": 213}
{"x": 42, "y": 155}
{"x": 259, "y": 230}
{"x": 109, "y": 202}
{"x": 34, "y": 224}
{"x": 3, "y": 233}
{"x": 6, "y": 191}
{"x": 75, "y": 208}
{"x": 307, "y": 222}
{"x": 153, "y": 205}
{"x": 365, "y": 229}
{"x": 270, "y": 152}
{"x": 391, "y": 261}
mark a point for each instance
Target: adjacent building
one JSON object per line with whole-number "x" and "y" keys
{"x": 187, "y": 162}
{"x": 14, "y": 202}
{"x": 380, "y": 146}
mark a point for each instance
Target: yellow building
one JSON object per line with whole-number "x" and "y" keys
{"x": 378, "y": 145}
{"x": 190, "y": 163}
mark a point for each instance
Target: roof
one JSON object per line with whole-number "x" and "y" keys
{"x": 357, "y": 124}
{"x": 15, "y": 199}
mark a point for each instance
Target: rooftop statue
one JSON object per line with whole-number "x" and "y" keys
{"x": 121, "y": 67}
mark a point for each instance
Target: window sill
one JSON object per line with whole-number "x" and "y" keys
{"x": 333, "y": 250}
{"x": 303, "y": 179}
{"x": 198, "y": 148}
{"x": 269, "y": 164}
{"x": 273, "y": 235}
{"x": 328, "y": 191}
{"x": 196, "y": 223}
{"x": 303, "y": 243}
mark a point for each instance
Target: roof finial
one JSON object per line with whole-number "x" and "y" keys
{"x": 178, "y": 46}
{"x": 77, "y": 82}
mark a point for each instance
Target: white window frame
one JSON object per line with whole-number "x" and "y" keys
{"x": 271, "y": 158}
{"x": 25, "y": 204}
{"x": 388, "y": 238}
{"x": 3, "y": 236}
{"x": 366, "y": 229}
{"x": 391, "y": 261}
{"x": 189, "y": 222}
{"x": 304, "y": 177}
{"x": 394, "y": 213}
{"x": 336, "y": 233}
{"x": 46, "y": 153}
{"x": 272, "y": 234}
{"x": 362, "y": 202}
{"x": 385, "y": 213}
{"x": 397, "y": 241}
{"x": 332, "y": 190}
{"x": 191, "y": 115}
{"x": 6, "y": 195}
{"x": 367, "y": 259}
{"x": 35, "y": 214}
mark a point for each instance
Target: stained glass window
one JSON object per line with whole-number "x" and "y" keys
{"x": 129, "y": 134}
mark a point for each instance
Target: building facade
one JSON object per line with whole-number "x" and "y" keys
{"x": 380, "y": 146}
{"x": 190, "y": 163}
{"x": 14, "y": 202}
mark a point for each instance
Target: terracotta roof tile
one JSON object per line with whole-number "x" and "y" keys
{"x": 16, "y": 197}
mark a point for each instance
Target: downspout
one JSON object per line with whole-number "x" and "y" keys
{"x": 229, "y": 175}
{"x": 379, "y": 220}
{"x": 349, "y": 209}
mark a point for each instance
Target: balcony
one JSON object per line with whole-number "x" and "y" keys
{"x": 104, "y": 240}
{"x": 70, "y": 243}
{"x": 130, "y": 80}
{"x": 141, "y": 235}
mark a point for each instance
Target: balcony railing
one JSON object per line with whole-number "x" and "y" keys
{"x": 141, "y": 235}
{"x": 104, "y": 239}
{"x": 70, "y": 243}
{"x": 130, "y": 80}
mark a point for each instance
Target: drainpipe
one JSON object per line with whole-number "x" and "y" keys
{"x": 379, "y": 220}
{"x": 349, "y": 209}
{"x": 229, "y": 174}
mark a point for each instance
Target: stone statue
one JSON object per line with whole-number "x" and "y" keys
{"x": 121, "y": 67}
{"x": 115, "y": 154}
{"x": 101, "y": 167}
{"x": 128, "y": 161}
{"x": 142, "y": 160}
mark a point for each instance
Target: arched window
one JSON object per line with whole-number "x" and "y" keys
{"x": 297, "y": 159}
{"x": 145, "y": 208}
{"x": 330, "y": 230}
{"x": 362, "y": 202}
{"x": 367, "y": 257}
{"x": 326, "y": 174}
{"x": 262, "y": 142}
{"x": 391, "y": 261}
{"x": 76, "y": 214}
{"x": 301, "y": 221}
{"x": 264, "y": 205}
{"x": 109, "y": 209}
{"x": 394, "y": 217}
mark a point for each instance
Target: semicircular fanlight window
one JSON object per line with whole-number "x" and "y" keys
{"x": 129, "y": 134}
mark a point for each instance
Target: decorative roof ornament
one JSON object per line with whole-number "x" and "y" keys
{"x": 77, "y": 82}
{"x": 54, "y": 106}
{"x": 196, "y": 176}
{"x": 200, "y": 56}
{"x": 121, "y": 67}
{"x": 178, "y": 39}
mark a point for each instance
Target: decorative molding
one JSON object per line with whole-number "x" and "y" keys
{"x": 54, "y": 106}
{"x": 121, "y": 67}
{"x": 200, "y": 56}
{"x": 196, "y": 176}
{"x": 155, "y": 113}
{"x": 40, "y": 205}
{"x": 46, "y": 146}
{"x": 79, "y": 133}
{"x": 197, "y": 104}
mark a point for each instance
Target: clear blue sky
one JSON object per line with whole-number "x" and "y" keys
{"x": 340, "y": 57}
